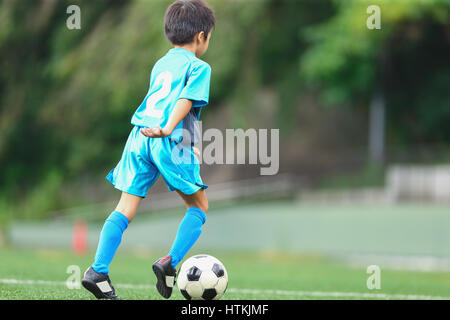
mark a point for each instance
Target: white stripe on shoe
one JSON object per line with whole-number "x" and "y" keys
{"x": 170, "y": 281}
{"x": 104, "y": 286}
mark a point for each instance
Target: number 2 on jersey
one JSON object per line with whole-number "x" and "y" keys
{"x": 166, "y": 79}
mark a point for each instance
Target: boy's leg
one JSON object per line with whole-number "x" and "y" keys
{"x": 112, "y": 231}
{"x": 188, "y": 232}
{"x": 96, "y": 278}
{"x": 133, "y": 175}
{"x": 190, "y": 227}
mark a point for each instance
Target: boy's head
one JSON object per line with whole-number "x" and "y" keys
{"x": 189, "y": 21}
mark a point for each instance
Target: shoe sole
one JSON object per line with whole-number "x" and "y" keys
{"x": 163, "y": 290}
{"x": 92, "y": 288}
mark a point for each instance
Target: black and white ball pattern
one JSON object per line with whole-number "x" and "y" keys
{"x": 202, "y": 277}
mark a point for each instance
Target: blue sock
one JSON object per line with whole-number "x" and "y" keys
{"x": 109, "y": 241}
{"x": 188, "y": 232}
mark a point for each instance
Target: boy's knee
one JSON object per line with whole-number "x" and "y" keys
{"x": 129, "y": 214}
{"x": 201, "y": 206}
{"x": 128, "y": 205}
{"x": 126, "y": 211}
{"x": 197, "y": 200}
{"x": 205, "y": 206}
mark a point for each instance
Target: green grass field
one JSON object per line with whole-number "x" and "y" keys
{"x": 26, "y": 274}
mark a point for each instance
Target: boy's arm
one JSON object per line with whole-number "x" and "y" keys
{"x": 180, "y": 111}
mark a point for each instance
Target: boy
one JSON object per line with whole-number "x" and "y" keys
{"x": 164, "y": 126}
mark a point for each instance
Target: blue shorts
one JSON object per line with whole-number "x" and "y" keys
{"x": 144, "y": 159}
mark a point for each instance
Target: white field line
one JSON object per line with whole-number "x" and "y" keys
{"x": 355, "y": 295}
{"x": 322, "y": 294}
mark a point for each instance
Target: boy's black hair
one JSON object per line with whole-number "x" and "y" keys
{"x": 185, "y": 18}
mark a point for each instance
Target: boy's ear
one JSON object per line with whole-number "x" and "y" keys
{"x": 202, "y": 35}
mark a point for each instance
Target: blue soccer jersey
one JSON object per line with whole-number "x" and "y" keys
{"x": 177, "y": 75}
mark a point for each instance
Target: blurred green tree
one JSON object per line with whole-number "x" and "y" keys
{"x": 66, "y": 96}
{"x": 407, "y": 59}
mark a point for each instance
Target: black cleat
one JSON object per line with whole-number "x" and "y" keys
{"x": 165, "y": 274}
{"x": 99, "y": 285}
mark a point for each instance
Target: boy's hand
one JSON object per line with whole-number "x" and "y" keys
{"x": 196, "y": 152}
{"x": 157, "y": 132}
{"x": 180, "y": 111}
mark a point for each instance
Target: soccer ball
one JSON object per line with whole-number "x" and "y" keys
{"x": 202, "y": 277}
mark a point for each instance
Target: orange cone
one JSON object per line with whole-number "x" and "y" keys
{"x": 79, "y": 238}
